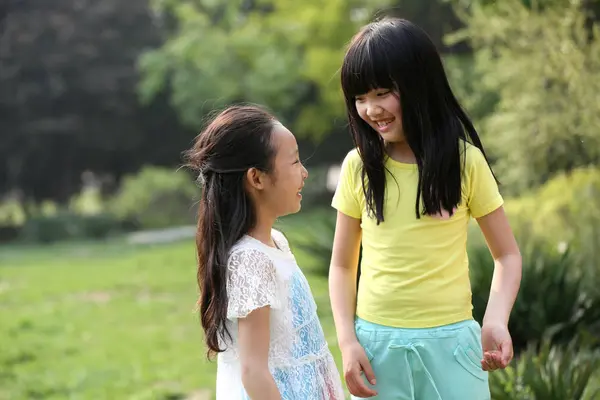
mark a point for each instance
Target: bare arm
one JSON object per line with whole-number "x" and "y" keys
{"x": 496, "y": 340}
{"x": 342, "y": 292}
{"x": 507, "y": 266}
{"x": 254, "y": 338}
{"x": 342, "y": 276}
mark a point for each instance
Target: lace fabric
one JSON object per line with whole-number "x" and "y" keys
{"x": 299, "y": 358}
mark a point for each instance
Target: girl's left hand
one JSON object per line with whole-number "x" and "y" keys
{"x": 497, "y": 346}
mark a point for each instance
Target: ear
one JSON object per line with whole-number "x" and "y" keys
{"x": 256, "y": 178}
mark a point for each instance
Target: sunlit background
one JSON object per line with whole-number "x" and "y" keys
{"x": 99, "y": 98}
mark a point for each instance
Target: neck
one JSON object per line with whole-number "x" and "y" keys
{"x": 401, "y": 152}
{"x": 262, "y": 229}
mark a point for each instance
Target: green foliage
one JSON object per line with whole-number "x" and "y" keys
{"x": 88, "y": 202}
{"x": 156, "y": 198}
{"x": 466, "y": 80}
{"x": 555, "y": 301}
{"x": 543, "y": 63}
{"x": 552, "y": 373}
{"x": 284, "y": 54}
{"x": 313, "y": 234}
{"x": 11, "y": 213}
{"x": 563, "y": 212}
{"x": 65, "y": 225}
{"x": 316, "y": 194}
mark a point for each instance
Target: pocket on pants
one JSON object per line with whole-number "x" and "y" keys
{"x": 468, "y": 352}
{"x": 364, "y": 339}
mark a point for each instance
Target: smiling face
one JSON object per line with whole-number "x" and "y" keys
{"x": 281, "y": 192}
{"x": 380, "y": 108}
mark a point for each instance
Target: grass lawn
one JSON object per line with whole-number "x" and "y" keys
{"x": 108, "y": 321}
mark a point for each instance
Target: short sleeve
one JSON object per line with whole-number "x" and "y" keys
{"x": 345, "y": 198}
{"x": 251, "y": 283}
{"x": 484, "y": 195}
{"x": 280, "y": 240}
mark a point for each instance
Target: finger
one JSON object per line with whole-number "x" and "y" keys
{"x": 486, "y": 365}
{"x": 497, "y": 360}
{"x": 500, "y": 360}
{"x": 490, "y": 361}
{"x": 357, "y": 386}
{"x": 368, "y": 370}
{"x": 507, "y": 353}
{"x": 364, "y": 390}
{"x": 351, "y": 383}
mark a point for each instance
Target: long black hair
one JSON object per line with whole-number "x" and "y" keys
{"x": 395, "y": 54}
{"x": 238, "y": 139}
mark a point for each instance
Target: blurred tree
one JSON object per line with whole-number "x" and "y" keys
{"x": 285, "y": 54}
{"x": 543, "y": 64}
{"x": 67, "y": 95}
{"x": 281, "y": 53}
{"x": 68, "y": 79}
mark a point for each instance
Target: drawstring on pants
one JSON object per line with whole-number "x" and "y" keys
{"x": 412, "y": 348}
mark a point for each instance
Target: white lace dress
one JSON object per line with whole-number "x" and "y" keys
{"x": 299, "y": 358}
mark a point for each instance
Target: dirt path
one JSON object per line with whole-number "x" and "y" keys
{"x": 202, "y": 394}
{"x": 162, "y": 235}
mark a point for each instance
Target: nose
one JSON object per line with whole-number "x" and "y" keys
{"x": 373, "y": 110}
{"x": 304, "y": 172}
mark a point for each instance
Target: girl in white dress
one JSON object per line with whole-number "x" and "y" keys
{"x": 256, "y": 307}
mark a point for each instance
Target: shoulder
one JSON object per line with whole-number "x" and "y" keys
{"x": 351, "y": 165}
{"x": 247, "y": 252}
{"x": 473, "y": 156}
{"x": 352, "y": 159}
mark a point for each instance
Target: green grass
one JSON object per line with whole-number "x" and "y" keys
{"x": 108, "y": 321}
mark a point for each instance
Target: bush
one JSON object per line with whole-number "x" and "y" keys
{"x": 554, "y": 299}
{"x": 66, "y": 225}
{"x": 313, "y": 234}
{"x": 157, "y": 198}
{"x": 553, "y": 373}
{"x": 88, "y": 202}
{"x": 563, "y": 212}
{"x": 11, "y": 213}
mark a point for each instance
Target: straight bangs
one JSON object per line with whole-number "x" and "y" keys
{"x": 366, "y": 66}
{"x": 397, "y": 55}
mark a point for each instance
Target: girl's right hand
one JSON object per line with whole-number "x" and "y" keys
{"x": 356, "y": 363}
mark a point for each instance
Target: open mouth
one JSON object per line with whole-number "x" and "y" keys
{"x": 384, "y": 123}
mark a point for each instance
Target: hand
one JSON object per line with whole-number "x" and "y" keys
{"x": 497, "y": 346}
{"x": 355, "y": 362}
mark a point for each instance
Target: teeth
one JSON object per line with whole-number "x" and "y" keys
{"x": 383, "y": 124}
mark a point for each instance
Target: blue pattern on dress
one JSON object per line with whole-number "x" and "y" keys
{"x": 310, "y": 341}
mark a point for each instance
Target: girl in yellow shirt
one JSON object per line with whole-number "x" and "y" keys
{"x": 406, "y": 193}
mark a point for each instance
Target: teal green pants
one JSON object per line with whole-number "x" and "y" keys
{"x": 441, "y": 363}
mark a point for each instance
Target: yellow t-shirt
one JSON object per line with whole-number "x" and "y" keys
{"x": 415, "y": 272}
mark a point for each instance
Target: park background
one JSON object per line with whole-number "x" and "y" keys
{"x": 99, "y": 98}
